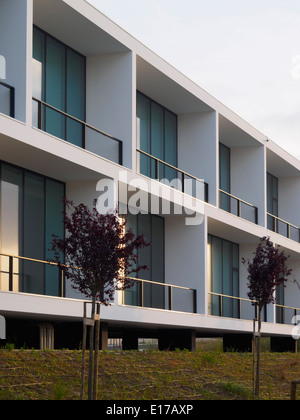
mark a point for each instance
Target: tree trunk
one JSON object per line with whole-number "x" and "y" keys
{"x": 97, "y": 343}
{"x": 258, "y": 355}
{"x": 91, "y": 349}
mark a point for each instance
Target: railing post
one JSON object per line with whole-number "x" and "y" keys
{"x": 12, "y": 102}
{"x": 61, "y": 281}
{"x": 182, "y": 181}
{"x": 11, "y": 272}
{"x": 195, "y": 301}
{"x": 170, "y": 298}
{"x": 156, "y": 169}
{"x": 120, "y": 153}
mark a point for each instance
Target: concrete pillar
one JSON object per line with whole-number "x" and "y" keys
{"x": 177, "y": 339}
{"x": 103, "y": 336}
{"x": 46, "y": 337}
{"x": 237, "y": 342}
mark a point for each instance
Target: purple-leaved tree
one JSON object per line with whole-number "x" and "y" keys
{"x": 97, "y": 255}
{"x": 266, "y": 272}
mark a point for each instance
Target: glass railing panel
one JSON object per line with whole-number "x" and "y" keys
{"x": 183, "y": 300}
{"x": 148, "y": 294}
{"x": 238, "y": 207}
{"x": 157, "y": 169}
{"x": 7, "y": 100}
{"x": 79, "y": 133}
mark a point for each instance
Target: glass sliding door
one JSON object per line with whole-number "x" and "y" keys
{"x": 34, "y": 241}
{"x": 11, "y": 202}
{"x": 223, "y": 276}
{"x": 224, "y": 176}
{"x": 272, "y": 200}
{"x": 153, "y": 256}
{"x": 144, "y": 136}
{"x": 157, "y": 136}
{"x": 54, "y": 207}
{"x": 59, "y": 80}
{"x": 31, "y": 209}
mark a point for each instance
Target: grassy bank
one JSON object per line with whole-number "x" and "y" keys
{"x": 150, "y": 375}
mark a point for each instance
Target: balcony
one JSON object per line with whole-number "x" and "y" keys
{"x": 157, "y": 169}
{"x": 7, "y": 99}
{"x": 241, "y": 308}
{"x": 29, "y": 275}
{"x": 155, "y": 295}
{"x": 284, "y": 228}
{"x": 60, "y": 124}
{"x": 19, "y": 274}
{"x": 238, "y": 207}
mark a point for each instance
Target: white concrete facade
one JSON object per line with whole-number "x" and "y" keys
{"x": 117, "y": 66}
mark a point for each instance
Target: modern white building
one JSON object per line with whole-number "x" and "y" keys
{"x": 82, "y": 101}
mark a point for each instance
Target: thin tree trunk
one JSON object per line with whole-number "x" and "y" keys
{"x": 258, "y": 355}
{"x": 91, "y": 348}
{"x": 97, "y": 342}
{"x": 83, "y": 351}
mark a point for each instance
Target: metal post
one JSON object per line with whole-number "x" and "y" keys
{"x": 61, "y": 281}
{"x": 195, "y": 300}
{"x": 97, "y": 340}
{"x": 12, "y": 102}
{"x": 83, "y": 350}
{"x": 11, "y": 272}
{"x": 170, "y": 298}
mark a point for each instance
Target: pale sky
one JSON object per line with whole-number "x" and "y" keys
{"x": 246, "y": 53}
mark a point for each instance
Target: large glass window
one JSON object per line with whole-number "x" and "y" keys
{"x": 58, "y": 80}
{"x": 158, "y": 137}
{"x": 223, "y": 273}
{"x": 272, "y": 200}
{"x": 148, "y": 294}
{"x": 224, "y": 176}
{"x": 31, "y": 212}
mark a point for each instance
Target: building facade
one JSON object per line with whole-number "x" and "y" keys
{"x": 88, "y": 112}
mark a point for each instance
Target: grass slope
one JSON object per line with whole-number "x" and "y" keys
{"x": 149, "y": 375}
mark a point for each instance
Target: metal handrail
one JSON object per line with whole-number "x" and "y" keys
{"x": 184, "y": 174}
{"x": 12, "y": 99}
{"x": 170, "y": 289}
{"x": 251, "y": 301}
{"x": 86, "y": 125}
{"x": 61, "y": 277}
{"x": 11, "y": 270}
{"x": 241, "y": 201}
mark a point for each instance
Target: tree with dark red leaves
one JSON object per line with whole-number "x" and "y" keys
{"x": 97, "y": 254}
{"x": 267, "y": 271}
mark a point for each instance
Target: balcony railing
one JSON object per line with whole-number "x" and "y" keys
{"x": 243, "y": 308}
{"x": 181, "y": 180}
{"x": 149, "y": 294}
{"x": 230, "y": 306}
{"x": 238, "y": 207}
{"x": 91, "y": 138}
{"x": 287, "y": 314}
{"x": 18, "y": 274}
{"x": 7, "y": 99}
{"x": 283, "y": 227}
